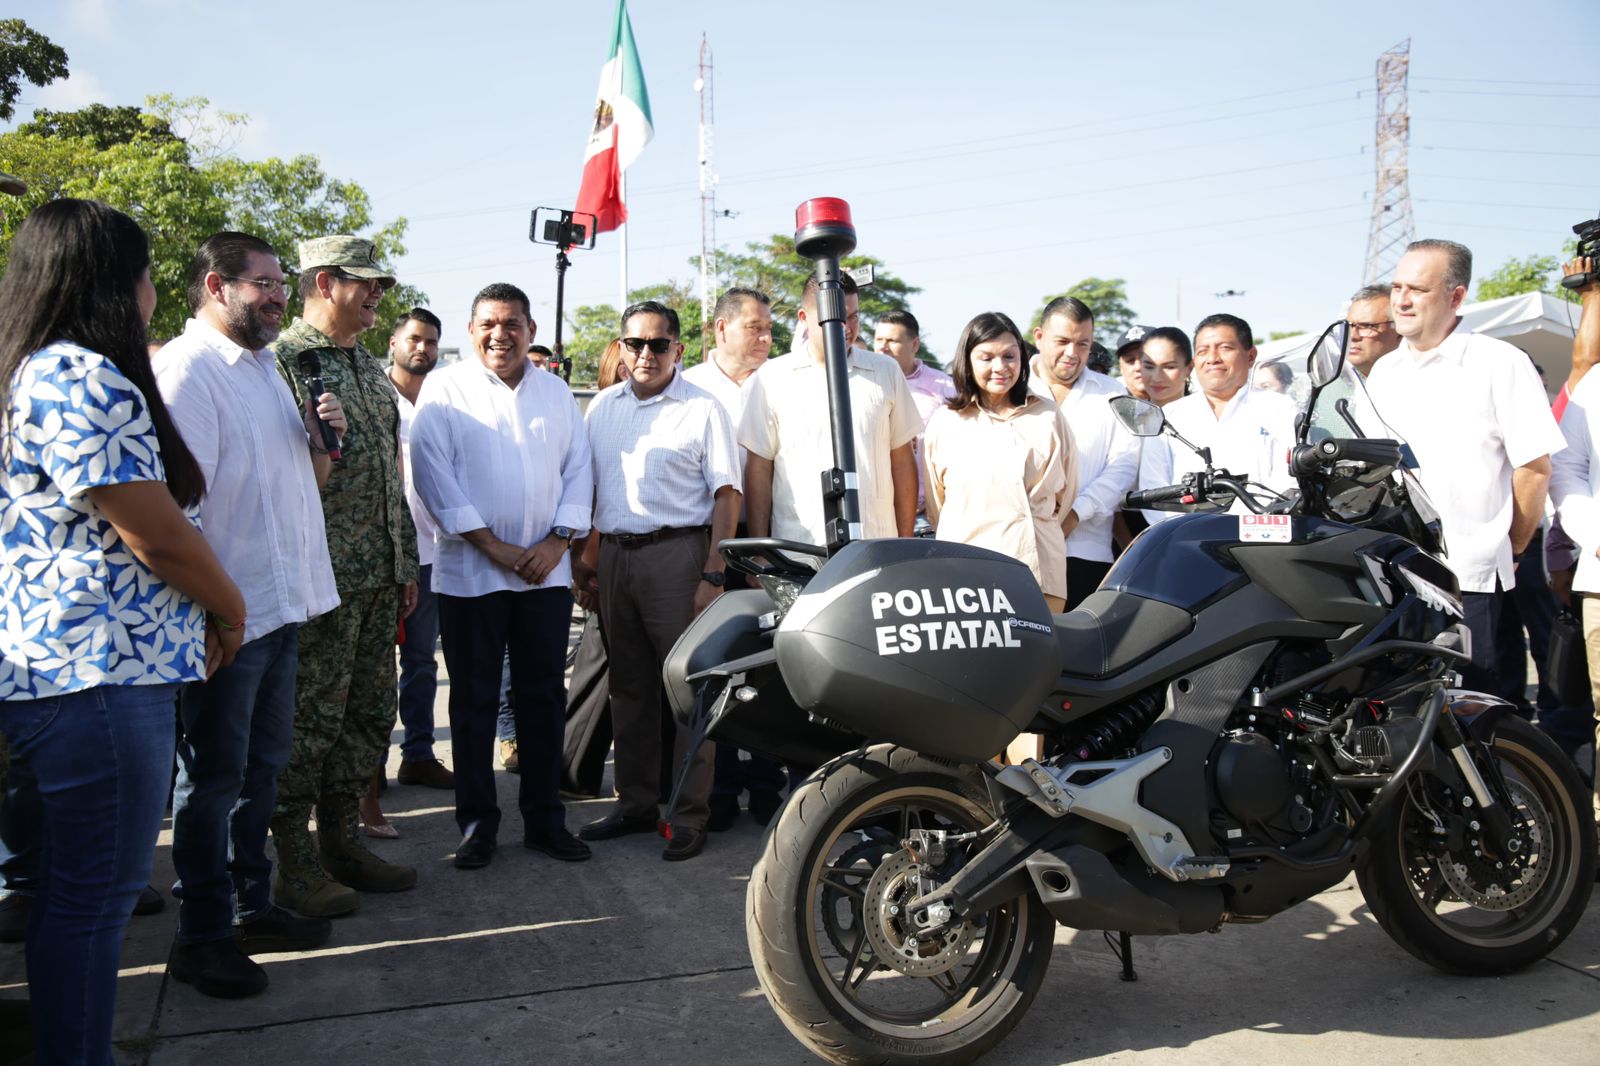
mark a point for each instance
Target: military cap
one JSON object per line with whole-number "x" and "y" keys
{"x": 1134, "y": 335}
{"x": 353, "y": 255}
{"x": 14, "y": 186}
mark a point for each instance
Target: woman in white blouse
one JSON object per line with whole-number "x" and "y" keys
{"x": 998, "y": 461}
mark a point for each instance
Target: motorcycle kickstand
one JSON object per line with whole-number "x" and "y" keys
{"x": 1126, "y": 955}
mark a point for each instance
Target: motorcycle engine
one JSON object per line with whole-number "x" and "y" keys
{"x": 1267, "y": 788}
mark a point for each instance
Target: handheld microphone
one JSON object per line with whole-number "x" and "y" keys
{"x": 311, "y": 369}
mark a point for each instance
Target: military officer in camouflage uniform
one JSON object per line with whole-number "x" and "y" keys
{"x": 345, "y": 691}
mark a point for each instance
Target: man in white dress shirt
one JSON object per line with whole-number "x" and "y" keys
{"x": 1108, "y": 456}
{"x": 742, "y": 326}
{"x": 263, "y": 461}
{"x": 666, "y": 493}
{"x": 1479, "y": 424}
{"x": 413, "y": 353}
{"x": 1248, "y": 430}
{"x": 501, "y": 461}
{"x": 787, "y": 433}
{"x": 899, "y": 336}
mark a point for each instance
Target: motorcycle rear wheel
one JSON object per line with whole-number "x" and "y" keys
{"x": 1452, "y": 910}
{"x": 821, "y": 882}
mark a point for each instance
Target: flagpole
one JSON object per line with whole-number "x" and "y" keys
{"x": 622, "y": 235}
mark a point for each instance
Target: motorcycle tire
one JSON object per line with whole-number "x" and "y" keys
{"x": 820, "y": 917}
{"x": 1447, "y": 917}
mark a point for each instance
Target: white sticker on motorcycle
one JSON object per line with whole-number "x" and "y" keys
{"x": 1265, "y": 528}
{"x": 946, "y": 620}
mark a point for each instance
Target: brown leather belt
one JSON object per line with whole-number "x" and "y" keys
{"x": 639, "y": 540}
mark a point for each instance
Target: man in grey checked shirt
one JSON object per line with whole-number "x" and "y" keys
{"x": 667, "y": 484}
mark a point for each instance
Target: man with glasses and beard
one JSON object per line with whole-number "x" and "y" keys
{"x": 263, "y": 459}
{"x": 345, "y": 690}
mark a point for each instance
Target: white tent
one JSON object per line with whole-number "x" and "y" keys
{"x": 1540, "y": 324}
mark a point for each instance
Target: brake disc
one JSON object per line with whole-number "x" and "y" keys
{"x": 892, "y": 933}
{"x": 1494, "y": 884}
{"x": 838, "y": 905}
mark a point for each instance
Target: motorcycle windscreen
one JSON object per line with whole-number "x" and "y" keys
{"x": 941, "y": 647}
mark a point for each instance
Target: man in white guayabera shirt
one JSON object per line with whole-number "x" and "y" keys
{"x": 500, "y": 460}
{"x": 263, "y": 460}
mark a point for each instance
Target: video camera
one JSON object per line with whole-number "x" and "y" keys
{"x": 1588, "y": 247}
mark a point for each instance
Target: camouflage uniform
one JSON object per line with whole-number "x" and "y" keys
{"x": 345, "y": 691}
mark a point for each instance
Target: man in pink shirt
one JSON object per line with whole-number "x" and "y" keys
{"x": 899, "y": 337}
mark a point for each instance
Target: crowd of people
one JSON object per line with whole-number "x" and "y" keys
{"x": 212, "y": 549}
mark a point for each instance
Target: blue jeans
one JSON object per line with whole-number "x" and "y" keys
{"x": 419, "y": 673}
{"x": 505, "y": 720}
{"x": 236, "y": 733}
{"x": 102, "y": 758}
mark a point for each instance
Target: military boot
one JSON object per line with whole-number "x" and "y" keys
{"x": 347, "y": 858}
{"x": 301, "y": 883}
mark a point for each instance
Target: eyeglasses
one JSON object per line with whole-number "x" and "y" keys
{"x": 657, "y": 345}
{"x": 269, "y": 286}
{"x": 1371, "y": 327}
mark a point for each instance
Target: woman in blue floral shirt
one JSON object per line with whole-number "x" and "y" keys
{"x": 109, "y": 596}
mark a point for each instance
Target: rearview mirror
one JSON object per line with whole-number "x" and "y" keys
{"x": 1139, "y": 417}
{"x": 1327, "y": 358}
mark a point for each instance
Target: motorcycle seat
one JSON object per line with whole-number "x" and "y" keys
{"x": 1110, "y": 631}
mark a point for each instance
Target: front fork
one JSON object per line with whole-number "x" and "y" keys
{"x": 1486, "y": 788}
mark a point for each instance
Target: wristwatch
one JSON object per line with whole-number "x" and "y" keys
{"x": 566, "y": 533}
{"x": 715, "y": 579}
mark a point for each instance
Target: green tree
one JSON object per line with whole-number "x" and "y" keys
{"x": 100, "y": 125}
{"x": 1281, "y": 334}
{"x": 775, "y": 268}
{"x": 182, "y": 192}
{"x": 1535, "y": 273}
{"x": 25, "y": 55}
{"x": 1107, "y": 298}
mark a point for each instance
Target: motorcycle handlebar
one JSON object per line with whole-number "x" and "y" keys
{"x": 1309, "y": 458}
{"x": 1151, "y": 499}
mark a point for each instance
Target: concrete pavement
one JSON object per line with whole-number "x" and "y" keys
{"x": 628, "y": 958}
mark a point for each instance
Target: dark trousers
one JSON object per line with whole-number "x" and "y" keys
{"x": 647, "y": 598}
{"x": 587, "y": 736}
{"x": 419, "y": 672}
{"x": 1083, "y": 577}
{"x": 479, "y": 632}
{"x": 1482, "y": 619}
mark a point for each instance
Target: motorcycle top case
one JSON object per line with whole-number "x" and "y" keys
{"x": 940, "y": 647}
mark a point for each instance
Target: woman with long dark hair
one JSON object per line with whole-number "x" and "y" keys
{"x": 999, "y": 465}
{"x": 109, "y": 596}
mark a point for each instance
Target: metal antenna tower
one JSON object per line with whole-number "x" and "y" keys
{"x": 1392, "y": 225}
{"x": 708, "y": 197}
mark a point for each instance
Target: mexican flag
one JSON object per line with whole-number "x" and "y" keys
{"x": 621, "y": 128}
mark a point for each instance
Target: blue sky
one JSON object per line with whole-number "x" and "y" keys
{"x": 992, "y": 153}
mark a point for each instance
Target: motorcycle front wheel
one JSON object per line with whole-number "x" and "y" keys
{"x": 1449, "y": 901}
{"x": 838, "y": 956}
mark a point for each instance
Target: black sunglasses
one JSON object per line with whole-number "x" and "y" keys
{"x": 657, "y": 345}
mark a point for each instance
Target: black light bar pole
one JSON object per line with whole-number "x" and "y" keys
{"x": 562, "y": 262}
{"x": 824, "y": 233}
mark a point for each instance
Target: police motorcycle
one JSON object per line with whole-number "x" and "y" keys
{"x": 1252, "y": 706}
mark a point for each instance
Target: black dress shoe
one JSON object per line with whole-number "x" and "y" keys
{"x": 724, "y": 813}
{"x": 474, "y": 853}
{"x": 764, "y": 804}
{"x": 618, "y": 825}
{"x": 217, "y": 968}
{"x": 685, "y": 844}
{"x": 275, "y": 929}
{"x": 558, "y": 844}
{"x": 150, "y": 902}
